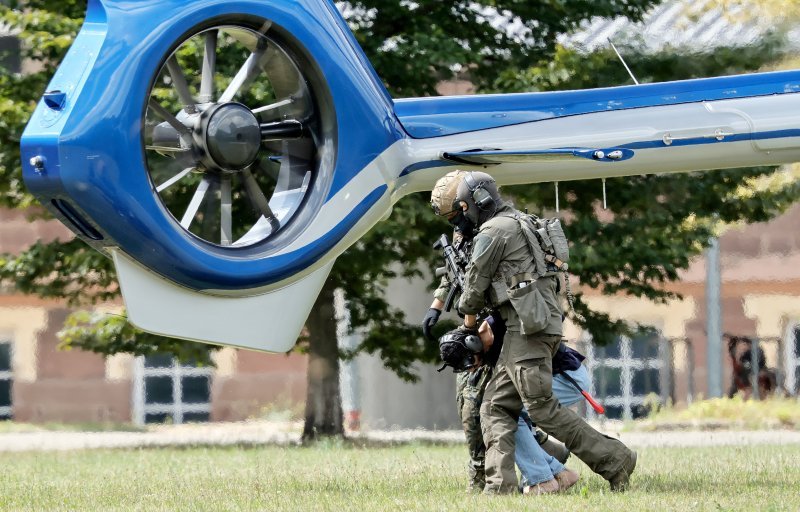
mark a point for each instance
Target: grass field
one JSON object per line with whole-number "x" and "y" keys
{"x": 404, "y": 478}
{"x": 734, "y": 413}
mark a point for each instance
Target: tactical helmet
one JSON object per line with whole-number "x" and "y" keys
{"x": 479, "y": 191}
{"x": 458, "y": 348}
{"x": 443, "y": 195}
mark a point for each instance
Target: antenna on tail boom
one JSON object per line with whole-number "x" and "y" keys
{"x": 623, "y": 61}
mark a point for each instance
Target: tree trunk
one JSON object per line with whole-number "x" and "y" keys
{"x": 324, "y": 416}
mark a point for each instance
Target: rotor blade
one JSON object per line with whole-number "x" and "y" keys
{"x": 226, "y": 213}
{"x": 179, "y": 81}
{"x": 174, "y": 179}
{"x": 269, "y": 166}
{"x": 273, "y": 106}
{"x": 287, "y": 81}
{"x": 209, "y": 213}
{"x": 209, "y": 68}
{"x": 194, "y": 204}
{"x": 258, "y": 200}
{"x": 247, "y": 37}
{"x": 164, "y": 135}
{"x": 166, "y": 149}
{"x": 246, "y": 73}
{"x": 168, "y": 117}
{"x": 284, "y": 76}
{"x": 295, "y": 161}
{"x": 163, "y": 166}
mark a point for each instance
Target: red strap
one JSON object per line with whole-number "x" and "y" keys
{"x": 599, "y": 409}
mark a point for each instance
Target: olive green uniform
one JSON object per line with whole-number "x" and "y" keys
{"x": 523, "y": 375}
{"x": 469, "y": 396}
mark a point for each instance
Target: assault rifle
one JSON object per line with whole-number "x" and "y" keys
{"x": 455, "y": 266}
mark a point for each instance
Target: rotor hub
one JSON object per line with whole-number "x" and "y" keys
{"x": 231, "y": 155}
{"x": 230, "y": 135}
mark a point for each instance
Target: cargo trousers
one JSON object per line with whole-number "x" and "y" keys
{"x": 523, "y": 376}
{"x": 469, "y": 396}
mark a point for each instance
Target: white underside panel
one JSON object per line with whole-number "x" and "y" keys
{"x": 269, "y": 322}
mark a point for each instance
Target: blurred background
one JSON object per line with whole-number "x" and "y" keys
{"x": 689, "y": 284}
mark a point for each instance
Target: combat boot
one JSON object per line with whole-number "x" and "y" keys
{"x": 567, "y": 479}
{"x": 621, "y": 481}
{"x": 476, "y": 483}
{"x": 548, "y": 487}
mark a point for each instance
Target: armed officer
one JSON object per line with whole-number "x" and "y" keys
{"x": 502, "y": 266}
{"x": 541, "y": 467}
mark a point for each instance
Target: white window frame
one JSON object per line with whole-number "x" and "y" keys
{"x": 8, "y": 410}
{"x": 791, "y": 357}
{"x": 628, "y": 364}
{"x": 177, "y": 408}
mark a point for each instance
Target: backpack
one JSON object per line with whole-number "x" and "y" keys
{"x": 547, "y": 242}
{"x": 549, "y": 248}
{"x": 553, "y": 241}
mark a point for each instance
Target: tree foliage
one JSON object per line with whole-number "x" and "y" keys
{"x": 654, "y": 227}
{"x": 110, "y": 334}
{"x": 763, "y": 11}
{"x": 45, "y": 35}
{"x": 415, "y": 45}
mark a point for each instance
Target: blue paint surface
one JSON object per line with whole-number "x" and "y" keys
{"x": 440, "y": 116}
{"x": 626, "y": 148}
{"x": 497, "y": 156}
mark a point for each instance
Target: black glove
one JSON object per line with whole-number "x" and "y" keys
{"x": 431, "y": 317}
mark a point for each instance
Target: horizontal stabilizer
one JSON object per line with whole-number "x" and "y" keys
{"x": 498, "y": 156}
{"x": 270, "y": 322}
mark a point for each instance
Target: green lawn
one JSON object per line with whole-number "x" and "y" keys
{"x": 413, "y": 477}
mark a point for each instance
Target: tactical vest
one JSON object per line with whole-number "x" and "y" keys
{"x": 549, "y": 250}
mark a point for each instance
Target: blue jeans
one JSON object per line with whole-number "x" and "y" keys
{"x": 565, "y": 392}
{"x": 533, "y": 462}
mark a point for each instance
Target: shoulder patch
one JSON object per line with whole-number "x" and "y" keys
{"x": 480, "y": 245}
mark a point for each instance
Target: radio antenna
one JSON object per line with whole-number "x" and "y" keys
{"x": 623, "y": 61}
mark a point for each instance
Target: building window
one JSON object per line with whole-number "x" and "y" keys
{"x": 626, "y": 372}
{"x": 166, "y": 391}
{"x": 6, "y": 381}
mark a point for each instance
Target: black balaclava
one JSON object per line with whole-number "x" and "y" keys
{"x": 476, "y": 214}
{"x": 462, "y": 224}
